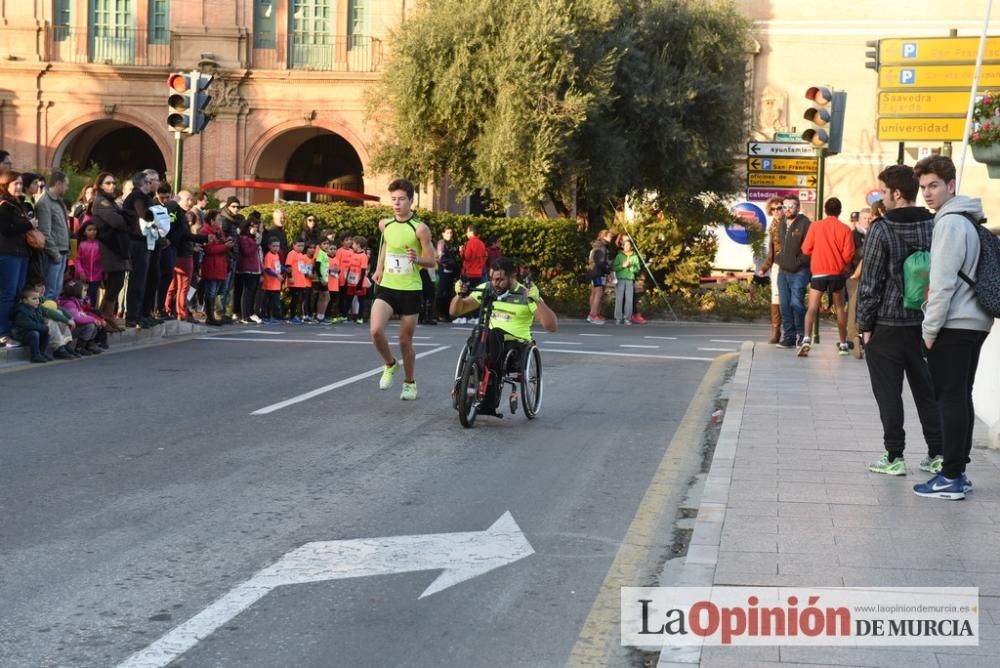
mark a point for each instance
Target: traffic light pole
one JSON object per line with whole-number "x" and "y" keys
{"x": 820, "y": 175}
{"x": 178, "y": 160}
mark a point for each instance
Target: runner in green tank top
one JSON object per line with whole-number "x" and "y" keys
{"x": 399, "y": 287}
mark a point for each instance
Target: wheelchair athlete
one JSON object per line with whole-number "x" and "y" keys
{"x": 514, "y": 308}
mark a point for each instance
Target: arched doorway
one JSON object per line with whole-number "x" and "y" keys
{"x": 115, "y": 146}
{"x": 312, "y": 156}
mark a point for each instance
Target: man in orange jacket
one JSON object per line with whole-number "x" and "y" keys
{"x": 829, "y": 244}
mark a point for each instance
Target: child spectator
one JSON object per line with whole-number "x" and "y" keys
{"x": 61, "y": 327}
{"x": 357, "y": 276}
{"x": 321, "y": 278}
{"x": 343, "y": 259}
{"x": 300, "y": 278}
{"x": 273, "y": 271}
{"x": 87, "y": 330}
{"x": 333, "y": 283}
{"x": 248, "y": 269}
{"x": 88, "y": 261}
{"x": 307, "y": 297}
{"x": 215, "y": 265}
{"x": 179, "y": 291}
{"x": 29, "y": 326}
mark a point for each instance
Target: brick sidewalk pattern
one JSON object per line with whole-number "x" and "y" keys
{"x": 789, "y": 501}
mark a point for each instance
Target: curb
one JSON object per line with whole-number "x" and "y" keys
{"x": 703, "y": 551}
{"x": 11, "y": 358}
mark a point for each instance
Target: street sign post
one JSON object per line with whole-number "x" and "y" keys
{"x": 780, "y": 149}
{"x": 936, "y": 50}
{"x": 937, "y": 76}
{"x": 758, "y": 179}
{"x": 787, "y": 165}
{"x": 921, "y": 129}
{"x": 896, "y": 104}
{"x": 764, "y": 194}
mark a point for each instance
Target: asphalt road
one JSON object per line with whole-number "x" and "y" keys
{"x": 138, "y": 488}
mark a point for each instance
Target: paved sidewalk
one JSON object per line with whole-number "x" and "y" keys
{"x": 789, "y": 501}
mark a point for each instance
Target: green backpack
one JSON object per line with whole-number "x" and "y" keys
{"x": 916, "y": 275}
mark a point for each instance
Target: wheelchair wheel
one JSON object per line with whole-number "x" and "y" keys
{"x": 458, "y": 375}
{"x": 531, "y": 381}
{"x": 467, "y": 393}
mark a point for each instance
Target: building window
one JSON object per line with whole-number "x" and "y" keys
{"x": 357, "y": 23}
{"x": 159, "y": 22}
{"x": 61, "y": 19}
{"x": 264, "y": 24}
{"x": 312, "y": 43}
{"x": 112, "y": 31}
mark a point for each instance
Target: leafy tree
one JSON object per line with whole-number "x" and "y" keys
{"x": 577, "y": 102}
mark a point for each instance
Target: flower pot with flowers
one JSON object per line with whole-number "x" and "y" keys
{"x": 985, "y": 138}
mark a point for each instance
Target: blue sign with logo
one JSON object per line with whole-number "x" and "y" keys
{"x": 907, "y": 77}
{"x": 909, "y": 49}
{"x": 751, "y": 214}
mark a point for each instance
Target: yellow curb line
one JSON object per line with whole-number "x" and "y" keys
{"x": 600, "y": 636}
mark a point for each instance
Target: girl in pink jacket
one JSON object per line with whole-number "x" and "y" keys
{"x": 89, "y": 269}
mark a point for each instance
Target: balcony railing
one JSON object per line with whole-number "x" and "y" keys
{"x": 108, "y": 46}
{"x": 323, "y": 53}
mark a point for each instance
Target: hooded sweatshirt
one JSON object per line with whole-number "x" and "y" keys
{"x": 951, "y": 303}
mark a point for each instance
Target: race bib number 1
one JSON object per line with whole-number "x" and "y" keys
{"x": 398, "y": 264}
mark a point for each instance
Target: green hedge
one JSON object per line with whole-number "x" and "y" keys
{"x": 556, "y": 250}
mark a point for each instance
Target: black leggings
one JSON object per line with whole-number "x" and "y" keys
{"x": 114, "y": 281}
{"x": 246, "y": 294}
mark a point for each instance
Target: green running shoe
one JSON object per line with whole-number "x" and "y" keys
{"x": 883, "y": 465}
{"x": 931, "y": 464}
{"x": 388, "y": 376}
{"x": 409, "y": 392}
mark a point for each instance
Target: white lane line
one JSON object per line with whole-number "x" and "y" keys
{"x": 661, "y": 338}
{"x": 723, "y": 341}
{"x": 333, "y": 386}
{"x": 636, "y": 345}
{"x": 717, "y": 350}
{"x": 605, "y": 354}
{"x": 462, "y": 329}
{"x": 258, "y": 331}
{"x": 338, "y": 335}
{"x": 563, "y": 343}
{"x": 594, "y": 335}
{"x": 349, "y": 343}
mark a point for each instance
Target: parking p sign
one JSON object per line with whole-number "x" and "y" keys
{"x": 909, "y": 49}
{"x": 907, "y": 77}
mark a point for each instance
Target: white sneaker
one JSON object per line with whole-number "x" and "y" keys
{"x": 459, "y": 321}
{"x": 256, "y": 318}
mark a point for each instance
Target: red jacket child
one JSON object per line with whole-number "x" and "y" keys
{"x": 215, "y": 264}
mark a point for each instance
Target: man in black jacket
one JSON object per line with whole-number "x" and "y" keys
{"x": 136, "y": 207}
{"x": 892, "y": 333}
{"x": 794, "y": 277}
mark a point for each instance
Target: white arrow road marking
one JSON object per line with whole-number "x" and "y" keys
{"x": 340, "y": 383}
{"x": 461, "y": 556}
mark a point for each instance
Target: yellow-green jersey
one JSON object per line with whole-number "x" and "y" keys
{"x": 398, "y": 272}
{"x": 513, "y": 312}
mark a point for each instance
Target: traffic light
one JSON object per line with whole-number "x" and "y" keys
{"x": 872, "y": 61}
{"x": 187, "y": 100}
{"x": 828, "y": 118}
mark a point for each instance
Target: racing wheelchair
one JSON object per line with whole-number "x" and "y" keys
{"x": 520, "y": 369}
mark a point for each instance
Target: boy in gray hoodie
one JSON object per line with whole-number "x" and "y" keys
{"x": 955, "y": 325}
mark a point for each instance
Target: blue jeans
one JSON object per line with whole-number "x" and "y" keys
{"x": 37, "y": 342}
{"x": 13, "y": 276}
{"x": 792, "y": 294}
{"x": 55, "y": 272}
{"x": 227, "y": 288}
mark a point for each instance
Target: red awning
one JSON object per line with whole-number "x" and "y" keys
{"x": 291, "y": 187}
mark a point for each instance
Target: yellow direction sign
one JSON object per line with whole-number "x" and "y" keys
{"x": 920, "y": 129}
{"x": 937, "y": 50}
{"x": 937, "y": 76}
{"x": 781, "y": 180}
{"x": 789, "y": 165}
{"x": 923, "y": 103}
